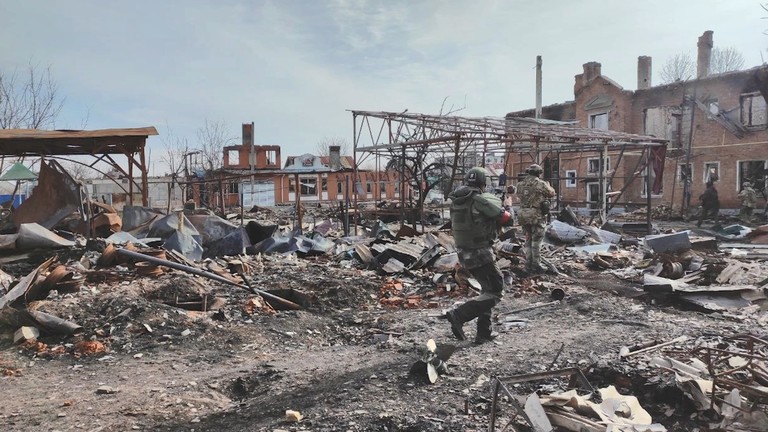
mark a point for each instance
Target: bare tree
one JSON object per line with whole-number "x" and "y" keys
{"x": 175, "y": 150}
{"x": 212, "y": 138}
{"x": 323, "y": 146}
{"x": 29, "y": 99}
{"x": 680, "y": 67}
{"x": 725, "y": 60}
{"x": 421, "y": 168}
{"x": 78, "y": 171}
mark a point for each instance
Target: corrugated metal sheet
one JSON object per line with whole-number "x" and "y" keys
{"x": 403, "y": 247}
{"x": 58, "y": 134}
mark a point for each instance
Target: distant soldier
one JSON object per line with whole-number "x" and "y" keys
{"x": 475, "y": 220}
{"x": 748, "y": 198}
{"x": 765, "y": 210}
{"x": 710, "y": 204}
{"x": 534, "y": 196}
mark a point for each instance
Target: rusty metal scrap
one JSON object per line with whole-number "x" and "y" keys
{"x": 500, "y": 384}
{"x": 56, "y": 196}
{"x": 748, "y": 372}
{"x": 196, "y": 271}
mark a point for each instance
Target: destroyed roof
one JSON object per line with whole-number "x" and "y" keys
{"x": 18, "y": 172}
{"x": 21, "y": 142}
{"x": 347, "y": 162}
{"x": 309, "y": 163}
{"x": 495, "y": 133}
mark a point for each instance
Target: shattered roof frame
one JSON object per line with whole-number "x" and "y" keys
{"x": 100, "y": 144}
{"x": 442, "y": 133}
{"x": 391, "y": 134}
{"x": 37, "y": 142}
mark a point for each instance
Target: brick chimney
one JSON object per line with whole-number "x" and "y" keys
{"x": 591, "y": 71}
{"x": 334, "y": 157}
{"x": 643, "y": 72}
{"x": 705, "y": 54}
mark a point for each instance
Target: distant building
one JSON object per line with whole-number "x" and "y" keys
{"x": 715, "y": 124}
{"x": 253, "y": 174}
{"x": 162, "y": 191}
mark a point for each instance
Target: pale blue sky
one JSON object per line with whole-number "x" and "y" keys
{"x": 293, "y": 67}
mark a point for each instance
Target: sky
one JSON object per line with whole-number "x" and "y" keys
{"x": 294, "y": 67}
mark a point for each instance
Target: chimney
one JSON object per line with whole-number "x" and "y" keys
{"x": 248, "y": 141}
{"x": 334, "y": 157}
{"x": 643, "y": 72}
{"x": 591, "y": 71}
{"x": 705, "y": 54}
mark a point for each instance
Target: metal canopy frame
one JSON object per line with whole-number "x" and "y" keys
{"x": 382, "y": 134}
{"x": 101, "y": 144}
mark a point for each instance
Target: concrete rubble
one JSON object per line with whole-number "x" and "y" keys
{"x": 146, "y": 281}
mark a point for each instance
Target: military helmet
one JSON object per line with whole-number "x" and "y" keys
{"x": 534, "y": 169}
{"x": 475, "y": 177}
{"x": 747, "y": 184}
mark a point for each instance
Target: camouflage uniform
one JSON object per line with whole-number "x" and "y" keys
{"x": 475, "y": 219}
{"x": 534, "y": 194}
{"x": 748, "y": 198}
{"x": 710, "y": 204}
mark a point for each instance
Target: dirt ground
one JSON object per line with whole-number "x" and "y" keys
{"x": 343, "y": 363}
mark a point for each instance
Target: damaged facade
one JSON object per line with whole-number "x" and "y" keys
{"x": 715, "y": 124}
{"x": 321, "y": 179}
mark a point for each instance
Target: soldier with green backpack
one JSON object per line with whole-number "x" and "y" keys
{"x": 475, "y": 219}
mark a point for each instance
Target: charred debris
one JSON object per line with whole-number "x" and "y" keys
{"x": 57, "y": 248}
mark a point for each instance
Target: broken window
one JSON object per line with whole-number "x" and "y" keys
{"x": 383, "y": 188}
{"x": 593, "y": 165}
{"x": 234, "y": 157}
{"x": 271, "y": 157}
{"x": 308, "y": 186}
{"x": 570, "y": 178}
{"x": 684, "y": 172}
{"x": 291, "y": 186}
{"x": 233, "y": 188}
{"x": 369, "y": 187}
{"x": 753, "y": 171}
{"x": 598, "y": 121}
{"x": 663, "y": 122}
{"x": 711, "y": 171}
{"x": 753, "y": 110}
{"x": 339, "y": 187}
{"x": 325, "y": 185}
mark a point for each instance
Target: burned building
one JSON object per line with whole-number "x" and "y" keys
{"x": 715, "y": 125}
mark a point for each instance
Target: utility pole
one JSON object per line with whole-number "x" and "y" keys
{"x": 538, "y": 86}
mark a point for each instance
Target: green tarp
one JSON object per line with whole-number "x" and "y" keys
{"x": 18, "y": 172}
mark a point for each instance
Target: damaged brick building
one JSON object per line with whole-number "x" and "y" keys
{"x": 715, "y": 125}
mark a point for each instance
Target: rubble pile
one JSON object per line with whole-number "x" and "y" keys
{"x": 143, "y": 285}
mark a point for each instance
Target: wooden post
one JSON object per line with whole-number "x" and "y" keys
{"x": 221, "y": 197}
{"x": 355, "y": 175}
{"x": 298, "y": 200}
{"x": 346, "y": 205}
{"x": 130, "y": 178}
{"x": 648, "y": 189}
{"x": 144, "y": 181}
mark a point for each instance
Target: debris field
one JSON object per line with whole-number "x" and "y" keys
{"x": 191, "y": 321}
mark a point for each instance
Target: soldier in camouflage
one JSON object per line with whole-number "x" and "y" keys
{"x": 534, "y": 196}
{"x": 748, "y": 198}
{"x": 475, "y": 219}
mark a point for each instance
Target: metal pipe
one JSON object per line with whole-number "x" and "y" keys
{"x": 198, "y": 272}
